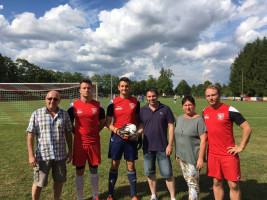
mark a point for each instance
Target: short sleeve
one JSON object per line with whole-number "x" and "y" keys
{"x": 70, "y": 112}
{"x": 101, "y": 111}
{"x": 68, "y": 122}
{"x": 201, "y": 126}
{"x": 31, "y": 127}
{"x": 170, "y": 116}
{"x": 110, "y": 109}
{"x": 236, "y": 116}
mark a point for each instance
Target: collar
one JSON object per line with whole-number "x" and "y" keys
{"x": 47, "y": 112}
{"x": 160, "y": 106}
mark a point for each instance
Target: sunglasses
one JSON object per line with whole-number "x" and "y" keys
{"x": 50, "y": 99}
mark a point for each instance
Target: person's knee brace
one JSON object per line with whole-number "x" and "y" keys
{"x": 93, "y": 169}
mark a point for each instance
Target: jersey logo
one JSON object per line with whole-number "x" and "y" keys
{"x": 131, "y": 105}
{"x": 118, "y": 108}
{"x": 94, "y": 110}
{"x": 220, "y": 116}
{"x": 206, "y": 116}
{"x": 79, "y": 111}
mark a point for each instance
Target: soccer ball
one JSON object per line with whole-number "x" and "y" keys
{"x": 132, "y": 129}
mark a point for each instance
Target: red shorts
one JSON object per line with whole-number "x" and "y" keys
{"x": 81, "y": 153}
{"x": 227, "y": 167}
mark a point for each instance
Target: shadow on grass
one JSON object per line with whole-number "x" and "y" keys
{"x": 123, "y": 192}
{"x": 251, "y": 189}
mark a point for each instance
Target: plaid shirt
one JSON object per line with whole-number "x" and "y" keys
{"x": 50, "y": 133}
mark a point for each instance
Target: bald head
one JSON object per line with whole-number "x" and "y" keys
{"x": 52, "y": 100}
{"x": 53, "y": 93}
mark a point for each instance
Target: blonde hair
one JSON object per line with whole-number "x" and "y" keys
{"x": 214, "y": 87}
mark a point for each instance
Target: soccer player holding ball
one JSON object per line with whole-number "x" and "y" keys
{"x": 89, "y": 118}
{"x": 123, "y": 110}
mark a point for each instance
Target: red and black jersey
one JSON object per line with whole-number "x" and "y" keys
{"x": 219, "y": 124}
{"x": 86, "y": 116}
{"x": 123, "y": 111}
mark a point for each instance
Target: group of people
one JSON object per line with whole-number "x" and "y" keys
{"x": 157, "y": 131}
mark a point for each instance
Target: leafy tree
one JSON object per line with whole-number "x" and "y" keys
{"x": 8, "y": 70}
{"x": 182, "y": 88}
{"x": 106, "y": 84}
{"x": 164, "y": 82}
{"x": 193, "y": 90}
{"x": 98, "y": 79}
{"x": 77, "y": 77}
{"x": 58, "y": 77}
{"x": 151, "y": 82}
{"x": 3, "y": 70}
{"x": 135, "y": 89}
{"x": 226, "y": 91}
{"x": 199, "y": 91}
{"x": 206, "y": 84}
{"x": 142, "y": 85}
{"x": 249, "y": 70}
{"x": 166, "y": 72}
{"x": 67, "y": 77}
{"x": 28, "y": 72}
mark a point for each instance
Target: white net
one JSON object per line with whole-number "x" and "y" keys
{"x": 19, "y": 100}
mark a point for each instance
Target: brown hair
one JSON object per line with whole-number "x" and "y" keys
{"x": 85, "y": 80}
{"x": 214, "y": 87}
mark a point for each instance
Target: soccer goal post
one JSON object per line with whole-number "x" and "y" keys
{"x": 19, "y": 100}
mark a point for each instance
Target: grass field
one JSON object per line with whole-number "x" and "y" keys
{"x": 16, "y": 174}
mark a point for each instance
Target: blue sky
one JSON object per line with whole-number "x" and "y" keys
{"x": 198, "y": 40}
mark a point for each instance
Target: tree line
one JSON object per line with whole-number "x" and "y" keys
{"x": 248, "y": 76}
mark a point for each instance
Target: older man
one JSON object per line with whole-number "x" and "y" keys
{"x": 51, "y": 125}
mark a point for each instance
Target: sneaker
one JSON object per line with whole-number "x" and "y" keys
{"x": 134, "y": 198}
{"x": 110, "y": 198}
{"x": 154, "y": 197}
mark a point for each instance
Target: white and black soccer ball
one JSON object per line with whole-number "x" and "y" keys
{"x": 132, "y": 129}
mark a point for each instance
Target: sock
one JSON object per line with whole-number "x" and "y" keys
{"x": 79, "y": 186}
{"x": 94, "y": 183}
{"x": 153, "y": 196}
{"x": 132, "y": 181}
{"x": 113, "y": 176}
{"x": 173, "y": 198}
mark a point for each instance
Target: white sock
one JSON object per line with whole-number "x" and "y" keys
{"x": 94, "y": 183}
{"x": 79, "y": 186}
{"x": 153, "y": 196}
{"x": 173, "y": 198}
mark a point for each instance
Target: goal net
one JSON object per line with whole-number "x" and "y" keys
{"x": 19, "y": 100}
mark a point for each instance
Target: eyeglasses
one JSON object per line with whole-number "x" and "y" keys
{"x": 50, "y": 99}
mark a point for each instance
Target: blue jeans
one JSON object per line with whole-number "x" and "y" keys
{"x": 164, "y": 163}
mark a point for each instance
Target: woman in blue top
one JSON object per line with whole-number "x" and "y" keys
{"x": 191, "y": 143}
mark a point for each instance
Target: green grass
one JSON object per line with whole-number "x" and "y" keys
{"x": 16, "y": 174}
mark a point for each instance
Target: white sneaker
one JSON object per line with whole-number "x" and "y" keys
{"x": 153, "y": 197}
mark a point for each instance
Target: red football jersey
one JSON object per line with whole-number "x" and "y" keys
{"x": 86, "y": 117}
{"x": 219, "y": 124}
{"x": 124, "y": 111}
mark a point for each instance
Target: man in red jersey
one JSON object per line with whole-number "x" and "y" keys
{"x": 123, "y": 109}
{"x": 89, "y": 117}
{"x": 223, "y": 161}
